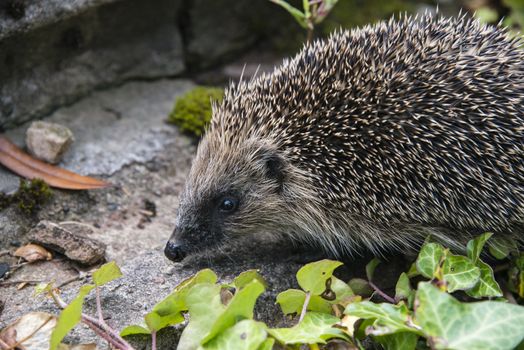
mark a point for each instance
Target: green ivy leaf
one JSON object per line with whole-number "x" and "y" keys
{"x": 155, "y": 322}
{"x": 205, "y": 306}
{"x": 291, "y": 301}
{"x": 106, "y": 273}
{"x": 341, "y": 289}
{"x": 460, "y": 273}
{"x": 299, "y": 16}
{"x": 486, "y": 286}
{"x": 370, "y": 268}
{"x": 240, "y": 307}
{"x": 474, "y": 247}
{"x": 313, "y": 276}
{"x": 429, "y": 258}
{"x": 176, "y": 301}
{"x": 398, "y": 341}
{"x": 42, "y": 288}
{"x": 360, "y": 287}
{"x": 403, "y": 288}
{"x": 245, "y": 335}
{"x": 134, "y": 329}
{"x": 389, "y": 318}
{"x": 69, "y": 317}
{"x": 246, "y": 277}
{"x": 267, "y": 344}
{"x": 315, "y": 328}
{"x": 450, "y": 324}
{"x": 501, "y": 247}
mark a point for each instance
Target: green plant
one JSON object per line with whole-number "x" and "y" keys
{"x": 29, "y": 198}
{"x": 192, "y": 111}
{"x": 313, "y": 13}
{"x": 329, "y": 310}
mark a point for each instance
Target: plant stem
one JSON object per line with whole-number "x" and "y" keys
{"x": 381, "y": 293}
{"x": 309, "y": 37}
{"x": 153, "y": 340}
{"x": 304, "y": 307}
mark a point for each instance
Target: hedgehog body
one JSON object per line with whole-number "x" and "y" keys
{"x": 375, "y": 137}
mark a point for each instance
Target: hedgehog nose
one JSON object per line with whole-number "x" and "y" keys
{"x": 174, "y": 252}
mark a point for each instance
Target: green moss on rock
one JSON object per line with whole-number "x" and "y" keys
{"x": 192, "y": 111}
{"x": 29, "y": 198}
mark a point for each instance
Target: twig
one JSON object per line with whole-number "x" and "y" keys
{"x": 304, "y": 307}
{"x": 5, "y": 252}
{"x": 381, "y": 293}
{"x": 31, "y": 335}
{"x": 99, "y": 306}
{"x": 8, "y": 283}
{"x": 81, "y": 276}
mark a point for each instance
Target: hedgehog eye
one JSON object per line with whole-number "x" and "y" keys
{"x": 228, "y": 205}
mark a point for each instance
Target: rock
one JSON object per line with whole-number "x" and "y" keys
{"x": 4, "y": 269}
{"x": 48, "y": 141}
{"x": 84, "y": 250}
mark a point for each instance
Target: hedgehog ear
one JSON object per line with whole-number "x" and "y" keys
{"x": 275, "y": 169}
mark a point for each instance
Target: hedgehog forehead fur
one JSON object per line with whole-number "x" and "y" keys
{"x": 414, "y": 125}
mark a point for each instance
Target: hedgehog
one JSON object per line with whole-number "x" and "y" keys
{"x": 372, "y": 139}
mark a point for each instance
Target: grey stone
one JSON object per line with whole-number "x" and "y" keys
{"x": 48, "y": 141}
{"x": 61, "y": 50}
{"x": 84, "y": 250}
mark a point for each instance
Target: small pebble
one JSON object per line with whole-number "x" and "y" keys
{"x": 4, "y": 268}
{"x": 48, "y": 141}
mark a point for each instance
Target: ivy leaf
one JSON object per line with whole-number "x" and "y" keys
{"x": 69, "y": 317}
{"x": 450, "y": 324}
{"x": 370, "y": 268}
{"x": 246, "y": 277}
{"x": 360, "y": 287}
{"x": 429, "y": 258}
{"x": 245, "y": 335}
{"x": 299, "y": 16}
{"x": 291, "y": 301}
{"x": 403, "y": 340}
{"x": 155, "y": 322}
{"x": 341, "y": 289}
{"x": 240, "y": 307}
{"x": 106, "y": 273}
{"x": 205, "y": 306}
{"x": 315, "y": 328}
{"x": 474, "y": 247}
{"x": 389, "y": 318}
{"x": 176, "y": 301}
{"x": 460, "y": 273}
{"x": 403, "y": 288}
{"x": 267, "y": 344}
{"x": 486, "y": 286}
{"x": 501, "y": 247}
{"x": 313, "y": 276}
{"x": 134, "y": 329}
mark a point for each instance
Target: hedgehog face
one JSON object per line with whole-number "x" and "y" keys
{"x": 230, "y": 192}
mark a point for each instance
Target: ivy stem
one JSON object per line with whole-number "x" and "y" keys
{"x": 153, "y": 340}
{"x": 381, "y": 293}
{"x": 304, "y": 307}
{"x": 99, "y": 327}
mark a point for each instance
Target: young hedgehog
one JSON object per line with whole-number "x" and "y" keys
{"x": 374, "y": 138}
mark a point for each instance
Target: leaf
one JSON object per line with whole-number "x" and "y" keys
{"x": 429, "y": 258}
{"x": 155, "y": 322}
{"x": 106, "y": 273}
{"x": 459, "y": 273}
{"x": 42, "y": 288}
{"x": 240, "y": 307}
{"x": 267, "y": 344}
{"x": 360, "y": 287}
{"x": 397, "y": 341}
{"x": 402, "y": 288}
{"x": 134, "y": 329}
{"x": 246, "y": 277}
{"x": 370, "y": 268}
{"x": 389, "y": 318}
{"x": 315, "y": 328}
{"x": 69, "y": 317}
{"x": 203, "y": 302}
{"x": 292, "y": 300}
{"x": 26, "y": 166}
{"x": 31, "y": 331}
{"x": 33, "y": 252}
{"x": 313, "y": 276}
{"x": 481, "y": 325}
{"x": 501, "y": 247}
{"x": 474, "y": 247}
{"x": 245, "y": 335}
{"x": 176, "y": 301}
{"x": 486, "y": 286}
{"x": 299, "y": 16}
{"x": 341, "y": 289}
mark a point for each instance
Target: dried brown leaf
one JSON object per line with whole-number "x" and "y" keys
{"x": 33, "y": 252}
{"x": 24, "y": 165}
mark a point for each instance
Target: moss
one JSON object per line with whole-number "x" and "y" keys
{"x": 29, "y": 198}
{"x": 192, "y": 111}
